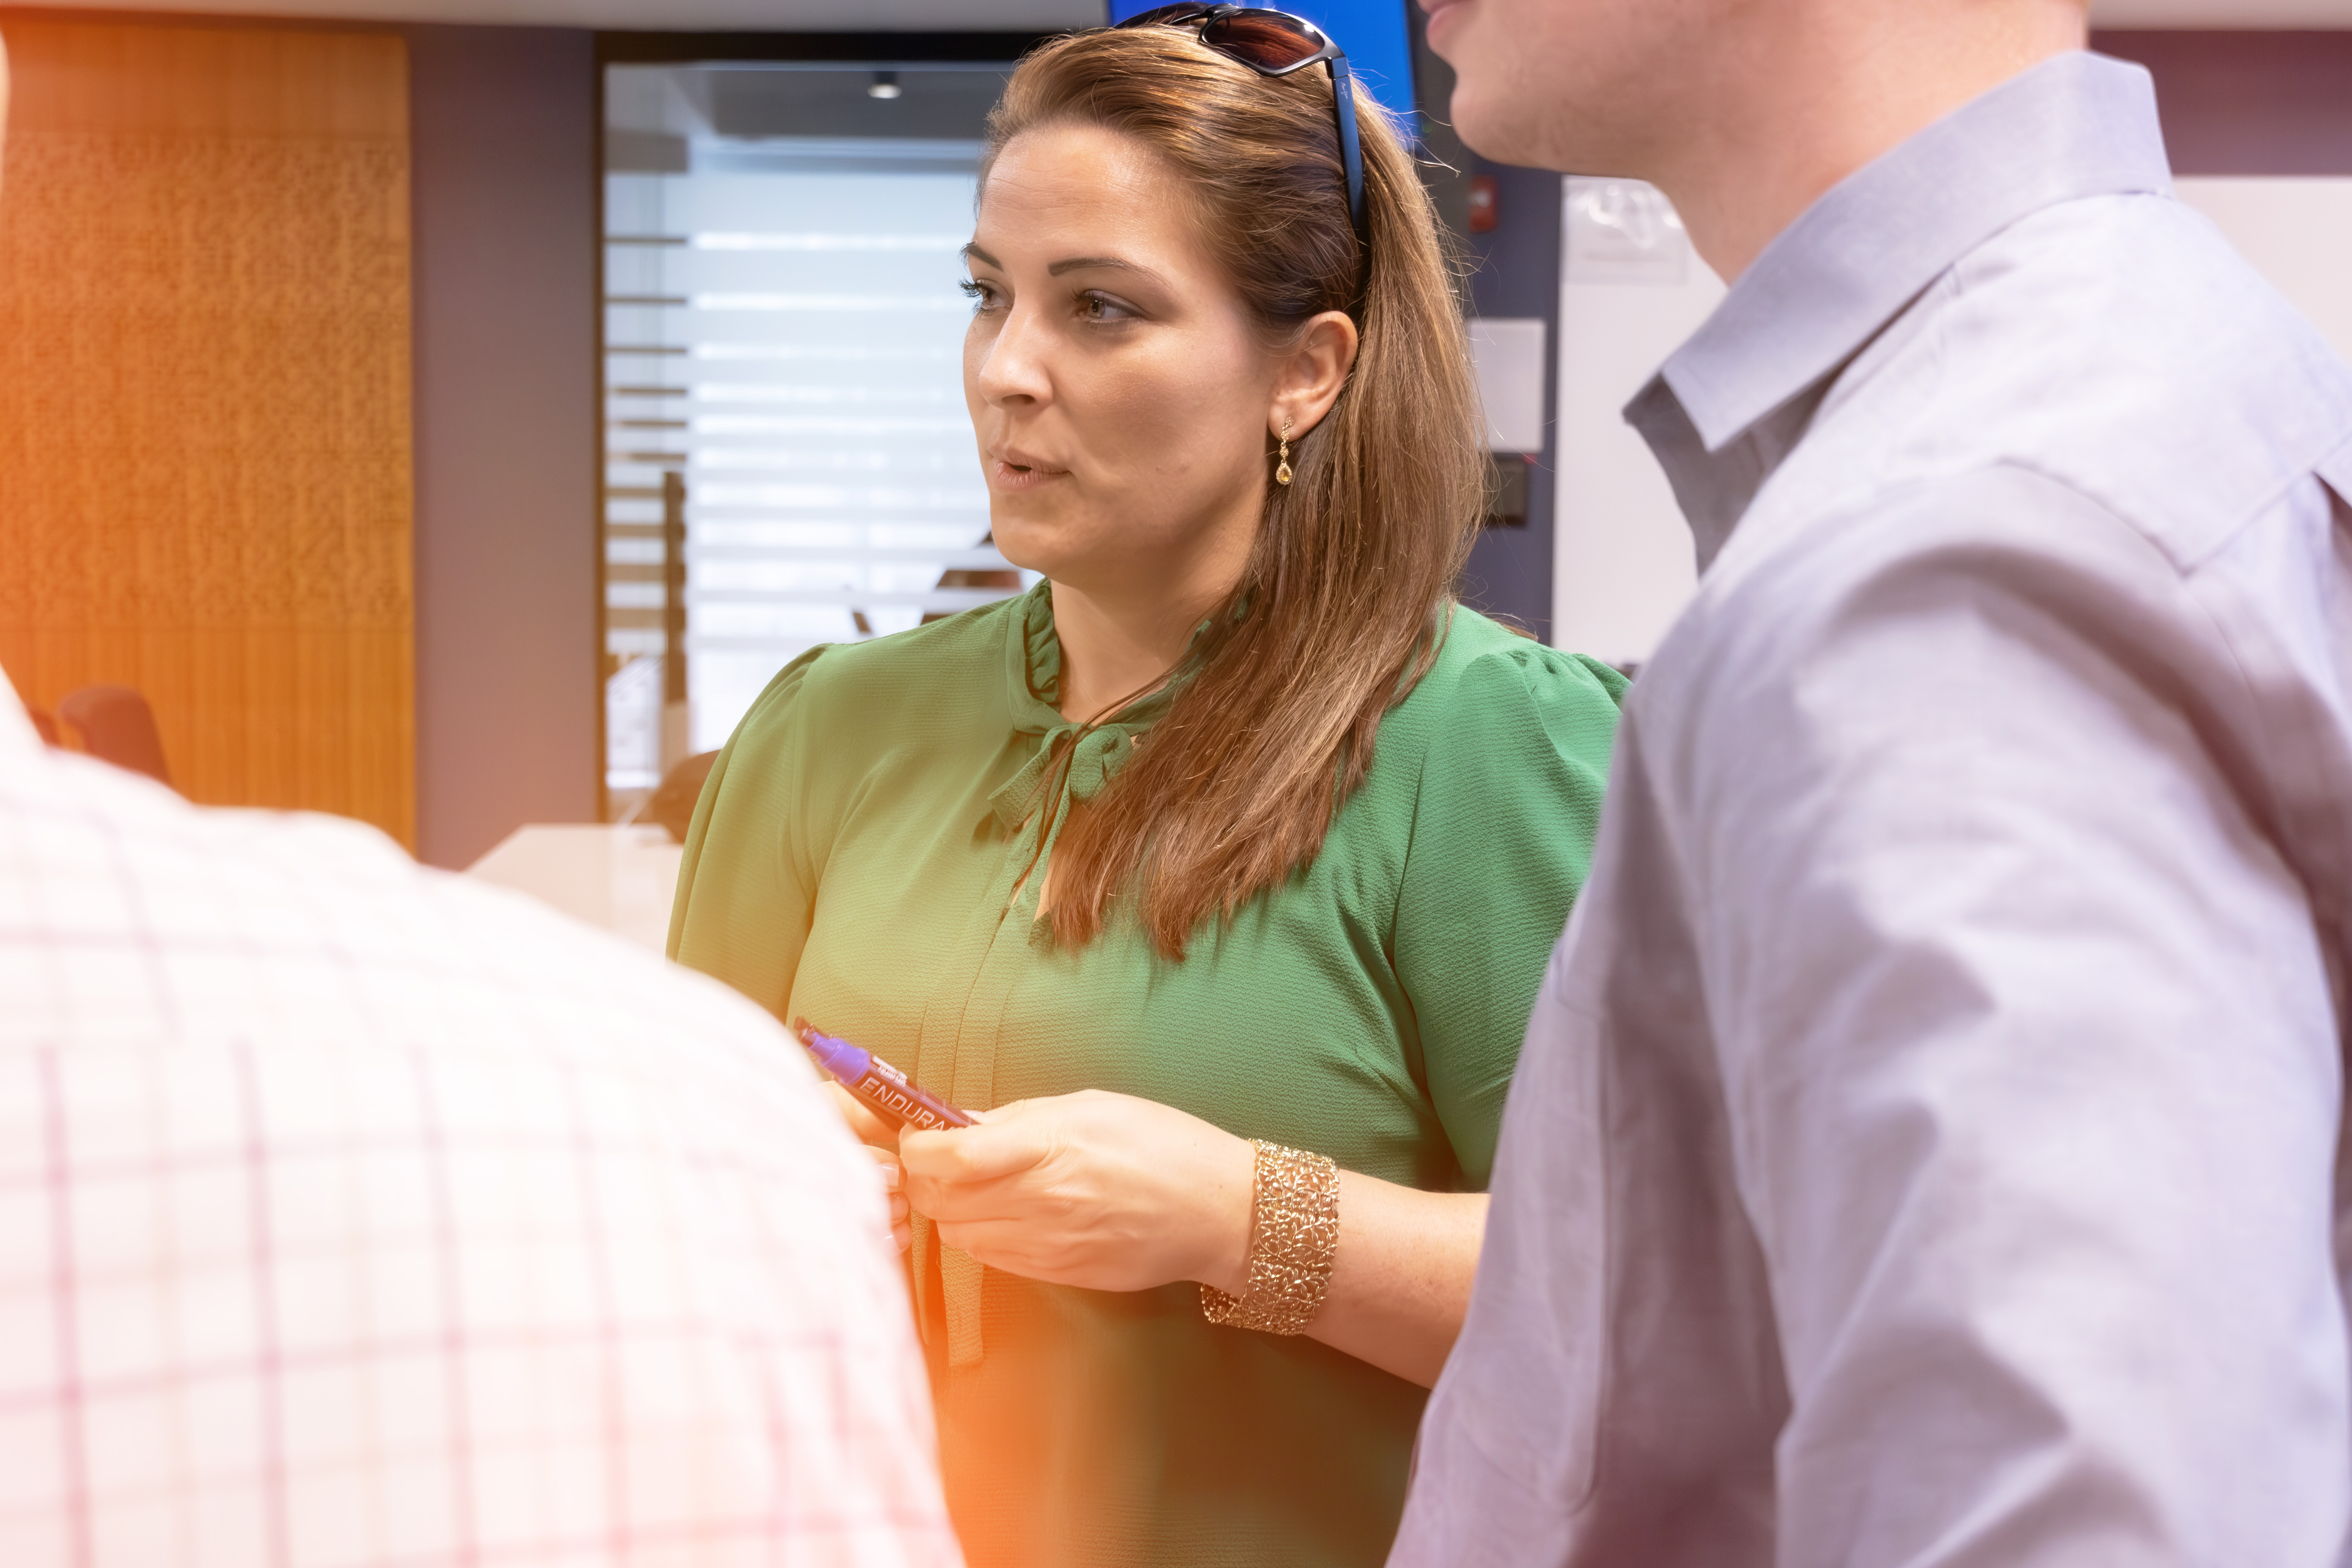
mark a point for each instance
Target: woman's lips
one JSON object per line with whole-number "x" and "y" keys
{"x": 1004, "y": 476}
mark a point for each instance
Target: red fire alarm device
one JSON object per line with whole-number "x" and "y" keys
{"x": 1485, "y": 211}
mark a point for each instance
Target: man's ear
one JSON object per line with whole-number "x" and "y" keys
{"x": 1312, "y": 374}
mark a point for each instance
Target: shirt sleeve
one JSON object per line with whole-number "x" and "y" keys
{"x": 1502, "y": 839}
{"x": 745, "y": 887}
{"x": 2026, "y": 1044}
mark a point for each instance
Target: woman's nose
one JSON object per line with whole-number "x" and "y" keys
{"x": 1013, "y": 369}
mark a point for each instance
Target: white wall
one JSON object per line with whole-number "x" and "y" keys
{"x": 1631, "y": 291}
{"x": 2298, "y": 232}
{"x": 1622, "y": 568}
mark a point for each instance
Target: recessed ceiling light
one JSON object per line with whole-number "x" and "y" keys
{"x": 885, "y": 85}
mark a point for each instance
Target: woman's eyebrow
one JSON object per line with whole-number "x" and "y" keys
{"x": 972, "y": 252}
{"x": 1081, "y": 263}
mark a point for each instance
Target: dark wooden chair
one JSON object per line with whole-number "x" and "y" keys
{"x": 673, "y": 803}
{"x": 117, "y": 726}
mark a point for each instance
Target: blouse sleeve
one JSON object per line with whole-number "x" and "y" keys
{"x": 745, "y": 888}
{"x": 1502, "y": 839}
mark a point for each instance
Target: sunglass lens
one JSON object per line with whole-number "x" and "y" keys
{"x": 1267, "y": 40}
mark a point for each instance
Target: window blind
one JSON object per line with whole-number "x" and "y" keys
{"x": 784, "y": 334}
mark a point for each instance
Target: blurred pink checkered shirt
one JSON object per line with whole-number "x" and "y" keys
{"x": 356, "y": 1214}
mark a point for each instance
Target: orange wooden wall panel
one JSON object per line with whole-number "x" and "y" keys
{"x": 204, "y": 404}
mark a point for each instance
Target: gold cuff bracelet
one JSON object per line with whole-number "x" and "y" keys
{"x": 1294, "y": 1235}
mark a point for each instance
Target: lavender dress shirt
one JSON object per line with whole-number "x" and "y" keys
{"x": 1927, "y": 1145}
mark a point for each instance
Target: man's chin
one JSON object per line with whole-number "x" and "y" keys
{"x": 1486, "y": 122}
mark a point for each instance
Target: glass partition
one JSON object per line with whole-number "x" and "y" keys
{"x": 787, "y": 458}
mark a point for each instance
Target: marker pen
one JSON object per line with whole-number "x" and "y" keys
{"x": 879, "y": 1087}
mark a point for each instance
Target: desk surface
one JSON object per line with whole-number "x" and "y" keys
{"x": 620, "y": 878}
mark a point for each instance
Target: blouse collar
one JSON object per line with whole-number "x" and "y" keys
{"x": 1034, "y": 670}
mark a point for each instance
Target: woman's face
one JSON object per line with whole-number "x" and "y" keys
{"x": 1118, "y": 387}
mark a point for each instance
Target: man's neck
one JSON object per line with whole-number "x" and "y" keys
{"x": 1827, "y": 89}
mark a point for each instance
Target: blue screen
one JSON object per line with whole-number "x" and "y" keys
{"x": 1373, "y": 32}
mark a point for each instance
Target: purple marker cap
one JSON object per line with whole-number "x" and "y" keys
{"x": 845, "y": 1062}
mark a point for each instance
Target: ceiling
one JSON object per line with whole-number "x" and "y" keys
{"x": 1017, "y": 15}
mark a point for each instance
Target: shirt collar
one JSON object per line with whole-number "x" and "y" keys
{"x": 2077, "y": 125}
{"x": 1034, "y": 671}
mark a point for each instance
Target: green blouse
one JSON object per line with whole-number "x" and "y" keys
{"x": 853, "y": 860}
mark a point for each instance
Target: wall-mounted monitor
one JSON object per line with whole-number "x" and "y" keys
{"x": 1375, "y": 33}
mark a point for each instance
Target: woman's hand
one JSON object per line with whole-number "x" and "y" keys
{"x": 881, "y": 1141}
{"x": 1111, "y": 1192}
{"x": 894, "y": 1181}
{"x": 870, "y": 1129}
{"x": 1106, "y": 1191}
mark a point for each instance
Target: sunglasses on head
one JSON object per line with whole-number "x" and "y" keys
{"x": 1275, "y": 43}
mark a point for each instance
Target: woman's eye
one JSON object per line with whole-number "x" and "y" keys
{"x": 981, "y": 295}
{"x": 1104, "y": 309}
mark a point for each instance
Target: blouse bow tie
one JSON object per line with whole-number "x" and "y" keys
{"x": 1099, "y": 755}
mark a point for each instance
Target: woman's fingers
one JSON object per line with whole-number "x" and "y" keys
{"x": 1009, "y": 1141}
{"x": 987, "y": 1171}
{"x": 1003, "y": 1244}
{"x": 1099, "y": 1190}
{"x": 1017, "y": 1196}
{"x": 1020, "y": 1196}
{"x": 871, "y": 1130}
{"x": 894, "y": 1177}
{"x": 894, "y": 1183}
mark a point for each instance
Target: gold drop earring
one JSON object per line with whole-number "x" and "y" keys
{"x": 1282, "y": 469}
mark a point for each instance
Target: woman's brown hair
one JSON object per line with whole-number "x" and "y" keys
{"x": 1339, "y": 609}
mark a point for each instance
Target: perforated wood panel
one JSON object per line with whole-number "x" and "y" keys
{"x": 205, "y": 414}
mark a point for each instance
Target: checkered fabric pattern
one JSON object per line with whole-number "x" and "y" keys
{"x": 355, "y": 1214}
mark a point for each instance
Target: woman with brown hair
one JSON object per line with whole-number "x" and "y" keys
{"x": 1217, "y": 873}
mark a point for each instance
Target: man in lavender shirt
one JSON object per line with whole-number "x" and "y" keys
{"x": 1927, "y": 1145}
